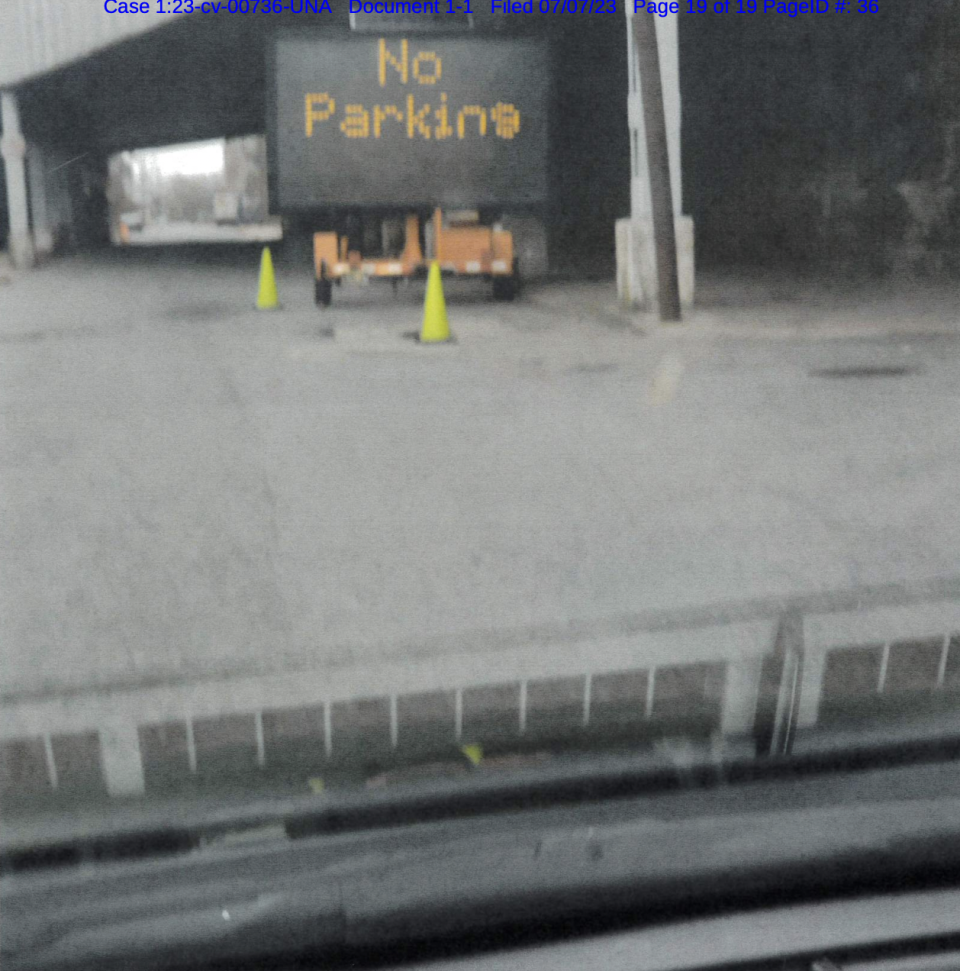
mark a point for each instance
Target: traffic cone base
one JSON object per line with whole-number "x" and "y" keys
{"x": 435, "y": 328}
{"x": 267, "y": 290}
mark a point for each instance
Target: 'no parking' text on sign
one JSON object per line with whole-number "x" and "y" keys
{"x": 410, "y": 120}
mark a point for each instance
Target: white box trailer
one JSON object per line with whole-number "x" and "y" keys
{"x": 226, "y": 208}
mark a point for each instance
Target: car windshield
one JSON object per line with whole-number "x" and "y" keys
{"x": 406, "y": 394}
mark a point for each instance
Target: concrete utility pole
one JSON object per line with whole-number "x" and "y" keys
{"x": 13, "y": 148}
{"x": 658, "y": 165}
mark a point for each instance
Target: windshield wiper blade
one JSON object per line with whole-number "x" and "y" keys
{"x": 132, "y": 832}
{"x": 294, "y": 897}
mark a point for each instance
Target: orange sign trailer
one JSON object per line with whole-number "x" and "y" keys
{"x": 470, "y": 250}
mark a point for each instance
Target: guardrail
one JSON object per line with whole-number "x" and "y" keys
{"x": 757, "y": 670}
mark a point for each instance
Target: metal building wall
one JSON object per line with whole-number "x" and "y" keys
{"x": 40, "y": 35}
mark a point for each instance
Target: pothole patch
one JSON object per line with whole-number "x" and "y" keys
{"x": 200, "y": 312}
{"x": 600, "y": 368}
{"x": 867, "y": 371}
{"x": 56, "y": 334}
{"x": 28, "y": 337}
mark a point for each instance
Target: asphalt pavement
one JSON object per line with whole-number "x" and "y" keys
{"x": 191, "y": 487}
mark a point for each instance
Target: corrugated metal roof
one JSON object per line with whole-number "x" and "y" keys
{"x": 40, "y": 35}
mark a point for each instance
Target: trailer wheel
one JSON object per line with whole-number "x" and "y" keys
{"x": 507, "y": 287}
{"x": 323, "y": 292}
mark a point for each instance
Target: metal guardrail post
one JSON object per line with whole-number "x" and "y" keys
{"x": 779, "y": 698}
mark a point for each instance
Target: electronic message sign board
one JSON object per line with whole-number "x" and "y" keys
{"x": 409, "y": 120}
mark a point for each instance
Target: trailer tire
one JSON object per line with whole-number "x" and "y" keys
{"x": 323, "y": 292}
{"x": 507, "y": 287}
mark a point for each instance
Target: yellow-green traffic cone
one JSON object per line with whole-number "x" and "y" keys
{"x": 267, "y": 292}
{"x": 436, "y": 327}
